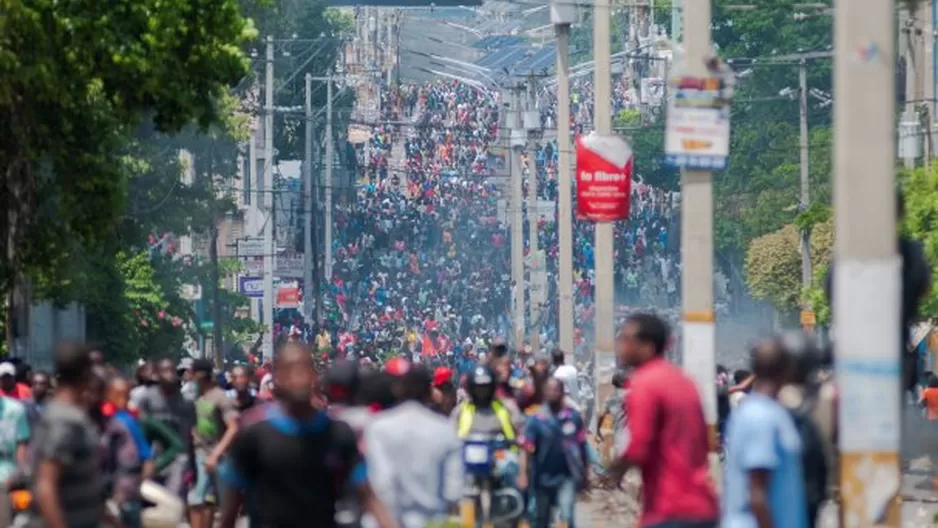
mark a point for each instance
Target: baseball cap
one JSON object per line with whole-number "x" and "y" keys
{"x": 184, "y": 364}
{"x": 7, "y": 369}
{"x": 442, "y": 375}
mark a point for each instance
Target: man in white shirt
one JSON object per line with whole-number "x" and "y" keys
{"x": 568, "y": 375}
{"x": 416, "y": 494}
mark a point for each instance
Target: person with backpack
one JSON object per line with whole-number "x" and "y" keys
{"x": 805, "y": 397}
{"x": 763, "y": 475}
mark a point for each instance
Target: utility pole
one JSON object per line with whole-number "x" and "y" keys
{"x": 330, "y": 161}
{"x": 806, "y": 319}
{"x": 867, "y": 274}
{"x": 255, "y": 198}
{"x": 910, "y": 147}
{"x": 218, "y": 346}
{"x": 516, "y": 204}
{"x": 605, "y": 362}
{"x": 268, "y": 189}
{"x": 312, "y": 297}
{"x": 536, "y": 258}
{"x": 563, "y": 17}
{"x": 697, "y": 237}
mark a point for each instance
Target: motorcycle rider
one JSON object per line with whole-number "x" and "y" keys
{"x": 483, "y": 413}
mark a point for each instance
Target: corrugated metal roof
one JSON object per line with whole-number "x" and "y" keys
{"x": 520, "y": 60}
{"x": 498, "y": 41}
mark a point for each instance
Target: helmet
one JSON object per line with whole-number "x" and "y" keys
{"x": 481, "y": 376}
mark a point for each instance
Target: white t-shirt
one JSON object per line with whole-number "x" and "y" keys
{"x": 568, "y": 375}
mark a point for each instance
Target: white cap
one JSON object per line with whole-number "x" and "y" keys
{"x": 7, "y": 369}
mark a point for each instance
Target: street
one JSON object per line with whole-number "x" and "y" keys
{"x": 620, "y": 508}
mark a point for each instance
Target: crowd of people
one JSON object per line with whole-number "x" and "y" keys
{"x": 422, "y": 256}
{"x": 296, "y": 443}
{"x": 289, "y": 443}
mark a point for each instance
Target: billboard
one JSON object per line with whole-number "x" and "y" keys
{"x": 288, "y": 296}
{"x": 251, "y": 286}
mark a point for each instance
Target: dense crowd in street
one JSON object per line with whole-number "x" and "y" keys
{"x": 290, "y": 443}
{"x": 421, "y": 258}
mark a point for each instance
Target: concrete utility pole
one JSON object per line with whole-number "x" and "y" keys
{"x": 270, "y": 296}
{"x": 565, "y": 205}
{"x": 330, "y": 161}
{"x": 255, "y": 197}
{"x": 605, "y": 279}
{"x": 697, "y": 236}
{"x": 805, "y": 201}
{"x": 516, "y": 205}
{"x": 312, "y": 297}
{"x": 909, "y": 40}
{"x": 867, "y": 275}
{"x": 535, "y": 256}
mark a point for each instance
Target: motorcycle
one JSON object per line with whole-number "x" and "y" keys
{"x": 21, "y": 502}
{"x": 487, "y": 490}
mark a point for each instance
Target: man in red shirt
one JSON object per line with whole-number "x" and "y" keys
{"x": 667, "y": 430}
{"x": 8, "y": 385}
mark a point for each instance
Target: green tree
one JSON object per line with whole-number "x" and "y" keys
{"x": 920, "y": 188}
{"x": 773, "y": 265}
{"x": 78, "y": 79}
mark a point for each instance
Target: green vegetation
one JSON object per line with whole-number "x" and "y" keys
{"x": 97, "y": 99}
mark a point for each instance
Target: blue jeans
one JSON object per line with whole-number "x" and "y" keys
{"x": 592, "y": 458}
{"x": 546, "y": 499}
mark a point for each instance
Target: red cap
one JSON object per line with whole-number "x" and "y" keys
{"x": 442, "y": 375}
{"x": 397, "y": 366}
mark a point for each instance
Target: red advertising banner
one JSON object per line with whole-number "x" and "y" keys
{"x": 603, "y": 177}
{"x": 288, "y": 297}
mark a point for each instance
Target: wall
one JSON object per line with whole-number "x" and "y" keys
{"x": 48, "y": 326}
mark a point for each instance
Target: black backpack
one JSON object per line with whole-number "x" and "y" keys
{"x": 813, "y": 461}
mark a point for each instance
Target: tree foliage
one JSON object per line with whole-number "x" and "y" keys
{"x": 920, "y": 188}
{"x": 76, "y": 80}
{"x": 135, "y": 311}
{"x": 773, "y": 264}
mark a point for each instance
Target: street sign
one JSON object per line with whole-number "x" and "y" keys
{"x": 698, "y": 125}
{"x": 253, "y": 265}
{"x": 289, "y": 267}
{"x": 251, "y": 286}
{"x": 251, "y": 247}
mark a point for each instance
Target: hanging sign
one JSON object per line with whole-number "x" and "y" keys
{"x": 251, "y": 247}
{"x": 698, "y": 125}
{"x": 288, "y": 297}
{"x": 253, "y": 265}
{"x": 289, "y": 266}
{"x": 603, "y": 177}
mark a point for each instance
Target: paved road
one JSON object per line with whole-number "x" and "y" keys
{"x": 619, "y": 509}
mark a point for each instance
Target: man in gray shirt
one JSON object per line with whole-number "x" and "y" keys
{"x": 69, "y": 489}
{"x": 165, "y": 403}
